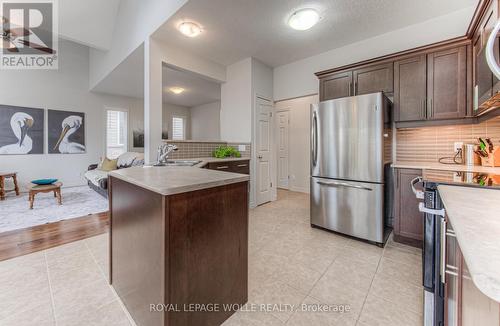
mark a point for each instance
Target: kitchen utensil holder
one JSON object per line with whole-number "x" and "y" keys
{"x": 493, "y": 158}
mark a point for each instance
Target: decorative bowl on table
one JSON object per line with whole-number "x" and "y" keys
{"x": 44, "y": 182}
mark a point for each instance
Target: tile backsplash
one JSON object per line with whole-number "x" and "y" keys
{"x": 192, "y": 149}
{"x": 428, "y": 144}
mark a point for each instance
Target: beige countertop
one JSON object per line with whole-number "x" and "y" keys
{"x": 170, "y": 180}
{"x": 447, "y": 167}
{"x": 474, "y": 214}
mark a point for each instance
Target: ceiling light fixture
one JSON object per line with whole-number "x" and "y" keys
{"x": 190, "y": 29}
{"x": 303, "y": 19}
{"x": 176, "y": 90}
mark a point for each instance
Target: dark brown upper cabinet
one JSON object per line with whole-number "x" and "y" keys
{"x": 484, "y": 83}
{"x": 335, "y": 86}
{"x": 372, "y": 79}
{"x": 410, "y": 81}
{"x": 447, "y": 84}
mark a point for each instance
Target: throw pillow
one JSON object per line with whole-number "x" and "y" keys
{"x": 108, "y": 165}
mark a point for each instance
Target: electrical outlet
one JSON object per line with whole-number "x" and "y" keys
{"x": 457, "y": 146}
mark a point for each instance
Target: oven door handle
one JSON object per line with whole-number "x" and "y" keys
{"x": 439, "y": 212}
{"x": 442, "y": 268}
{"x": 418, "y": 193}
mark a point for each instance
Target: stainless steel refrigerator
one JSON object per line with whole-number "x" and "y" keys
{"x": 351, "y": 153}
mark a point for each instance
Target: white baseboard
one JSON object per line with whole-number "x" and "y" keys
{"x": 299, "y": 189}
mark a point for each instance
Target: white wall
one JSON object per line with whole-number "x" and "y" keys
{"x": 62, "y": 89}
{"x": 170, "y": 110}
{"x": 299, "y": 140}
{"x": 135, "y": 22}
{"x": 156, "y": 53}
{"x": 205, "y": 121}
{"x": 236, "y": 103}
{"x": 80, "y": 21}
{"x": 298, "y": 79}
{"x": 245, "y": 80}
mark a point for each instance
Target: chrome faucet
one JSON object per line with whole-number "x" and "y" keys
{"x": 163, "y": 151}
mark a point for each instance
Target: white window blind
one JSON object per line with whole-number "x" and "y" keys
{"x": 178, "y": 128}
{"x": 116, "y": 133}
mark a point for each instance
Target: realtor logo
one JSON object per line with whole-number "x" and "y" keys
{"x": 29, "y": 34}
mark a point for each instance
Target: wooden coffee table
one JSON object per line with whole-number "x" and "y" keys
{"x": 36, "y": 189}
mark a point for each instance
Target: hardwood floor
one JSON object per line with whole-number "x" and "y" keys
{"x": 24, "y": 241}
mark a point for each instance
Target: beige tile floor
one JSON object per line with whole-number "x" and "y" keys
{"x": 289, "y": 263}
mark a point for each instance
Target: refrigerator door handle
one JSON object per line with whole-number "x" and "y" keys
{"x": 343, "y": 184}
{"x": 314, "y": 138}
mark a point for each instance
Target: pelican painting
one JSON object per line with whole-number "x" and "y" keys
{"x": 66, "y": 132}
{"x": 21, "y": 130}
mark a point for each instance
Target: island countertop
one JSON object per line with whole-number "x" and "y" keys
{"x": 474, "y": 214}
{"x": 170, "y": 180}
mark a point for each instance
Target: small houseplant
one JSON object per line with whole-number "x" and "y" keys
{"x": 226, "y": 151}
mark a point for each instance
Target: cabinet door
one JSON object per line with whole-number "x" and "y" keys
{"x": 410, "y": 89}
{"x": 408, "y": 220}
{"x": 446, "y": 84}
{"x": 477, "y": 308}
{"x": 335, "y": 86}
{"x": 376, "y": 78}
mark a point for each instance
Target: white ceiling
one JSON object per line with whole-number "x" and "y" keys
{"x": 198, "y": 90}
{"x": 237, "y": 29}
{"x": 88, "y": 22}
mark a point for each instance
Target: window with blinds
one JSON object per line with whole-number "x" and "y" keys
{"x": 178, "y": 128}
{"x": 116, "y": 133}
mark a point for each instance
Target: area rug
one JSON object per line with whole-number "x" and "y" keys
{"x": 77, "y": 202}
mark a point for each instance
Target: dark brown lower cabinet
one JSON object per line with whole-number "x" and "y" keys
{"x": 169, "y": 253}
{"x": 465, "y": 304}
{"x": 408, "y": 220}
{"x": 242, "y": 166}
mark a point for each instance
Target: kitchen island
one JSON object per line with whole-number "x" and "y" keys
{"x": 178, "y": 243}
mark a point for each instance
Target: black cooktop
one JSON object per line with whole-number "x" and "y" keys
{"x": 476, "y": 179}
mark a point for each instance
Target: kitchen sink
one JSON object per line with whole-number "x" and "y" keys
{"x": 181, "y": 162}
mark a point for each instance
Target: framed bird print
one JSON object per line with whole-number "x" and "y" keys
{"x": 66, "y": 132}
{"x": 21, "y": 130}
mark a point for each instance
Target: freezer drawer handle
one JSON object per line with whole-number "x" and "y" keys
{"x": 439, "y": 212}
{"x": 418, "y": 193}
{"x": 343, "y": 184}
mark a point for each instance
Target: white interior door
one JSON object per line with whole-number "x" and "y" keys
{"x": 283, "y": 122}
{"x": 263, "y": 151}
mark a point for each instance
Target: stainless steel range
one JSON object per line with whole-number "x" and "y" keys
{"x": 351, "y": 152}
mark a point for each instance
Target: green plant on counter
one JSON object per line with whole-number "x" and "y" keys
{"x": 226, "y": 151}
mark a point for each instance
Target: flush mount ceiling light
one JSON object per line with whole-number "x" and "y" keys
{"x": 303, "y": 19}
{"x": 176, "y": 90}
{"x": 190, "y": 29}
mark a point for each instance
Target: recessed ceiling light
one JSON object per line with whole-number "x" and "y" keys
{"x": 303, "y": 19}
{"x": 176, "y": 90}
{"x": 190, "y": 29}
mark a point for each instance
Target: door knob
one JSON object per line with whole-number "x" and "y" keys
{"x": 259, "y": 157}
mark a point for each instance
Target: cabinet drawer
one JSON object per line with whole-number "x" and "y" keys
{"x": 242, "y": 167}
{"x": 221, "y": 166}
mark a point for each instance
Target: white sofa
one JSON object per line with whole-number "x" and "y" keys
{"x": 97, "y": 179}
